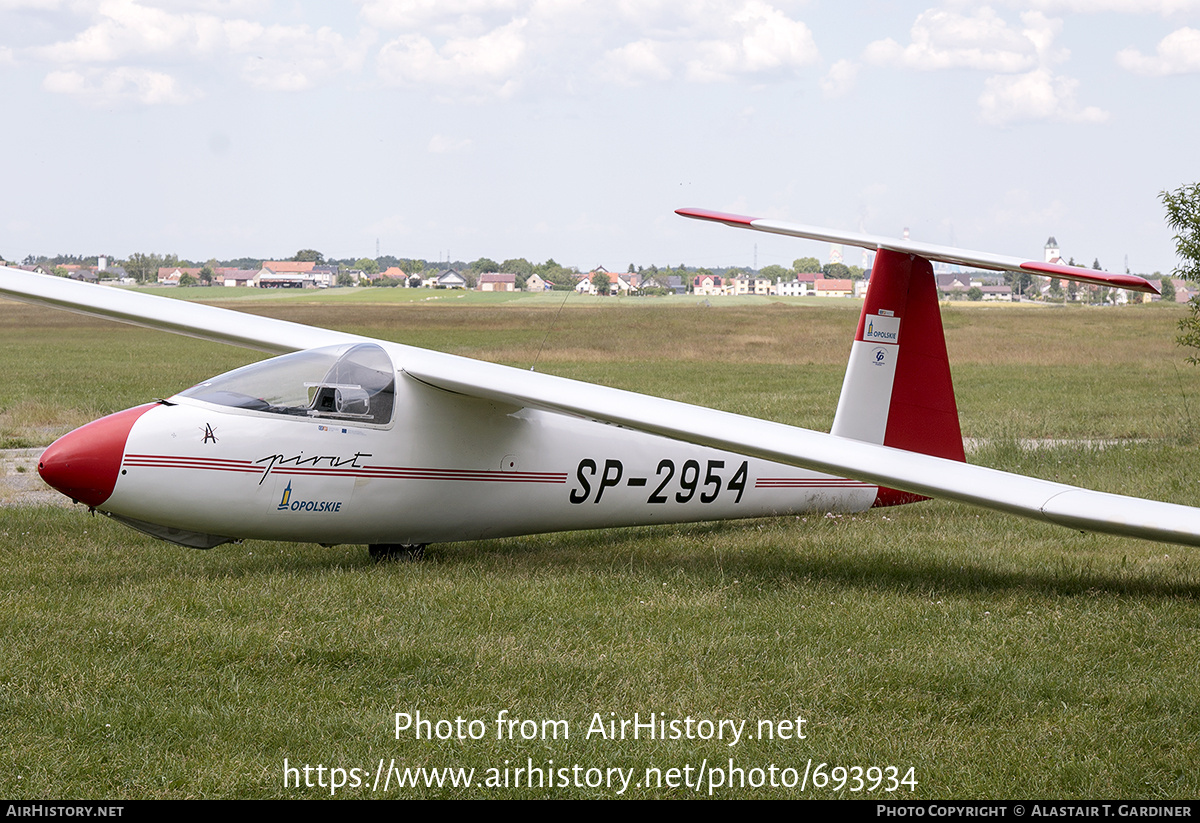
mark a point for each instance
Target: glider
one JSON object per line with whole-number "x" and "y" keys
{"x": 347, "y": 439}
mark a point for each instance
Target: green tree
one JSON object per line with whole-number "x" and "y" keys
{"x": 806, "y": 265}
{"x": 308, "y": 256}
{"x": 484, "y": 265}
{"x": 602, "y": 282}
{"x": 206, "y": 275}
{"x": 974, "y": 293}
{"x": 1183, "y": 215}
{"x": 519, "y": 266}
{"x": 1168, "y": 290}
{"x": 144, "y": 267}
{"x": 1019, "y": 282}
{"x": 836, "y": 271}
{"x": 367, "y": 266}
{"x": 186, "y": 279}
{"x": 774, "y": 273}
{"x": 561, "y": 278}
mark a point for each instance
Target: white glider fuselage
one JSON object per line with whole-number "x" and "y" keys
{"x": 444, "y": 468}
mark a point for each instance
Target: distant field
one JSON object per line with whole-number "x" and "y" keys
{"x": 993, "y": 656}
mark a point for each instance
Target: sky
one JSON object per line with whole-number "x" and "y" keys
{"x": 459, "y": 129}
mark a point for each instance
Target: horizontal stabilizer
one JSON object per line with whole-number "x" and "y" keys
{"x": 929, "y": 251}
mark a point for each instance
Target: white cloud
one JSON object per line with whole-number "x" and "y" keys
{"x": 1035, "y": 95}
{"x": 292, "y": 58}
{"x": 644, "y": 60}
{"x": 411, "y": 14}
{"x": 464, "y": 49}
{"x": 1162, "y": 7}
{"x": 274, "y": 57}
{"x": 1178, "y": 53}
{"x": 942, "y": 39}
{"x": 709, "y": 42}
{"x": 473, "y": 65}
{"x": 839, "y": 80}
{"x": 761, "y": 39}
{"x": 1023, "y": 86}
{"x": 34, "y": 5}
{"x": 107, "y": 87}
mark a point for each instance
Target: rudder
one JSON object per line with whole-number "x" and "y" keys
{"x": 898, "y": 389}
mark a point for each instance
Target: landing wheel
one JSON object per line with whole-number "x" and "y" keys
{"x": 381, "y": 552}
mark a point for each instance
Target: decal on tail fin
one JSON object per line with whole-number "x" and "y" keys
{"x": 898, "y": 391}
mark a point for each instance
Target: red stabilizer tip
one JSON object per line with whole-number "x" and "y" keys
{"x": 1099, "y": 278}
{"x": 84, "y": 464}
{"x": 719, "y": 216}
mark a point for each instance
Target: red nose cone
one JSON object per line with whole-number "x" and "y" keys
{"x": 84, "y": 464}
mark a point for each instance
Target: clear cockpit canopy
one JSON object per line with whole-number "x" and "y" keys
{"x": 355, "y": 382}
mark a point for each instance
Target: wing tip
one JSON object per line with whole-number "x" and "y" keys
{"x": 717, "y": 216}
{"x": 1131, "y": 282}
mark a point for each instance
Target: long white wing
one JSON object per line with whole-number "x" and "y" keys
{"x": 931, "y": 476}
{"x": 179, "y": 316}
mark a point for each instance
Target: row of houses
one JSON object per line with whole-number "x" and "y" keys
{"x": 273, "y": 274}
{"x": 292, "y": 274}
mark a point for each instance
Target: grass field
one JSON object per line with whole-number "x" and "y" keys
{"x": 992, "y": 656}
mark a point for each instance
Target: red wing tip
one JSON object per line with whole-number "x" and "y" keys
{"x": 1132, "y": 282}
{"x": 719, "y": 216}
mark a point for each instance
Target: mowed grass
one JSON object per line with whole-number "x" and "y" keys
{"x": 993, "y": 656}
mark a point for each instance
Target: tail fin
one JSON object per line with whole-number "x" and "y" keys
{"x": 898, "y": 389}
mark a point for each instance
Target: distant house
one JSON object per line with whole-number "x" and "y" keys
{"x": 170, "y": 276}
{"x": 293, "y": 274}
{"x": 392, "y": 273}
{"x": 745, "y": 284}
{"x": 445, "y": 279}
{"x": 707, "y": 284}
{"x": 497, "y": 281}
{"x": 587, "y": 285}
{"x": 287, "y": 274}
{"x": 627, "y": 283}
{"x": 325, "y": 275}
{"x": 1183, "y": 290}
{"x": 956, "y": 285}
{"x": 240, "y": 278}
{"x": 534, "y": 282}
{"x": 791, "y": 288}
{"x": 834, "y": 288}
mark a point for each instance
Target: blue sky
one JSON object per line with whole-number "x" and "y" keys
{"x": 557, "y": 128}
